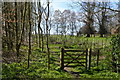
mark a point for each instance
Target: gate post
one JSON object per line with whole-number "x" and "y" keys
{"x": 90, "y": 51}
{"x": 86, "y": 58}
{"x": 62, "y": 59}
{"x": 98, "y": 57}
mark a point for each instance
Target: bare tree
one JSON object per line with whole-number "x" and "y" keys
{"x": 72, "y": 22}
{"x": 40, "y": 31}
{"x": 46, "y": 14}
{"x": 103, "y": 19}
{"x": 57, "y": 14}
{"x": 87, "y": 9}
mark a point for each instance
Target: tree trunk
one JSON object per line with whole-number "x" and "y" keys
{"x": 39, "y": 36}
{"x": 88, "y": 35}
{"x": 42, "y": 38}
{"x": 57, "y": 29}
{"x": 47, "y": 37}
{"x": 36, "y": 37}
{"x": 29, "y": 51}
{"x": 101, "y": 35}
{"x": 17, "y": 38}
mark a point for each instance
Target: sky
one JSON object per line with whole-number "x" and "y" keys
{"x": 59, "y": 4}
{"x": 56, "y": 0}
{"x": 65, "y": 4}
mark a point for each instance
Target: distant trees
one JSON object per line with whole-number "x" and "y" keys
{"x": 72, "y": 22}
{"x": 102, "y": 16}
{"x": 96, "y": 16}
{"x": 88, "y": 13}
{"x": 56, "y": 18}
{"x": 89, "y": 17}
{"x": 88, "y": 10}
{"x": 65, "y": 22}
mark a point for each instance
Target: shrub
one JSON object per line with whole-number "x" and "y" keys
{"x": 115, "y": 42}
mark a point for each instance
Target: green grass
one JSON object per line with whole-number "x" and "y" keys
{"x": 38, "y": 60}
{"x": 38, "y": 69}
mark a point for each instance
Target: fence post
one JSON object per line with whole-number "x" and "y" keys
{"x": 62, "y": 59}
{"x": 86, "y": 58}
{"x": 98, "y": 56}
{"x": 89, "y": 58}
{"x": 102, "y": 43}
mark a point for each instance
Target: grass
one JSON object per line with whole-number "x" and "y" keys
{"x": 38, "y": 69}
{"x": 38, "y": 62}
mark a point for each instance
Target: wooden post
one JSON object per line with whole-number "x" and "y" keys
{"x": 86, "y": 58}
{"x": 102, "y": 43}
{"x": 89, "y": 58}
{"x": 62, "y": 59}
{"x": 98, "y": 57}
